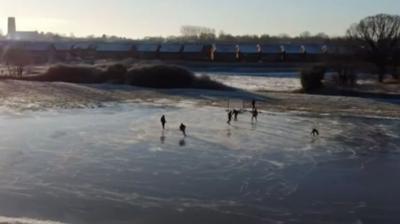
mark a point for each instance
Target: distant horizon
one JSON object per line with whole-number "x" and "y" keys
{"x": 162, "y": 18}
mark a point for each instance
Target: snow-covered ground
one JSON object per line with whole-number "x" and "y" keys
{"x": 115, "y": 165}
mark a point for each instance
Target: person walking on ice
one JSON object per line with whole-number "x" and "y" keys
{"x": 163, "y": 121}
{"x": 183, "y": 129}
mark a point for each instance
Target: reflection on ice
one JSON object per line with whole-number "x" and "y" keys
{"x": 102, "y": 165}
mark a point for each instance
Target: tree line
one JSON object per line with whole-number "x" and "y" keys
{"x": 189, "y": 33}
{"x": 209, "y": 35}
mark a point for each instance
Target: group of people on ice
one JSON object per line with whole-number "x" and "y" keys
{"x": 182, "y": 127}
{"x": 232, "y": 115}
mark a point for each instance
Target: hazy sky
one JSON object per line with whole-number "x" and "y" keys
{"x": 139, "y": 18}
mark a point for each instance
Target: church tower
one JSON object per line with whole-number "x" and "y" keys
{"x": 12, "y": 27}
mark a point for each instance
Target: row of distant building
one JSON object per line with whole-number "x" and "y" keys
{"x": 64, "y": 51}
{"x": 42, "y": 52}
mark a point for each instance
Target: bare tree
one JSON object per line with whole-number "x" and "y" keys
{"x": 207, "y": 37}
{"x": 196, "y": 31}
{"x": 16, "y": 59}
{"x": 322, "y": 35}
{"x": 380, "y": 35}
{"x": 225, "y": 37}
{"x": 305, "y": 34}
{"x": 396, "y": 63}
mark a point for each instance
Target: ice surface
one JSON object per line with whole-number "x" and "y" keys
{"x": 115, "y": 165}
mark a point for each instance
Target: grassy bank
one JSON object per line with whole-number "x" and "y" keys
{"x": 151, "y": 76}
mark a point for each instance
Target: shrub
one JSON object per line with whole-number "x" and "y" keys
{"x": 73, "y": 74}
{"x": 152, "y": 76}
{"x": 160, "y": 76}
{"x": 311, "y": 79}
{"x": 114, "y": 74}
{"x": 169, "y": 76}
{"x": 346, "y": 75}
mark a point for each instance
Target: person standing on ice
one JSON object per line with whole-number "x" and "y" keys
{"x": 183, "y": 129}
{"x": 230, "y": 114}
{"x": 315, "y": 132}
{"x": 253, "y": 104}
{"x": 163, "y": 121}
{"x": 235, "y": 114}
{"x": 254, "y": 115}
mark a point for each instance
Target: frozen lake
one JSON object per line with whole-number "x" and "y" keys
{"x": 115, "y": 165}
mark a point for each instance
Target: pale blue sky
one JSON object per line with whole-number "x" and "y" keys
{"x": 139, "y": 18}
